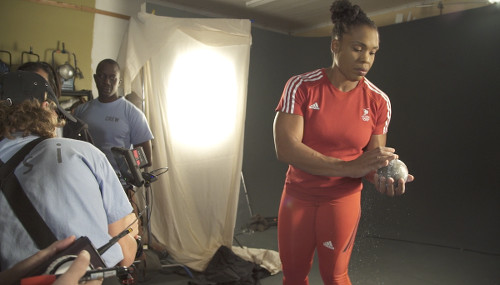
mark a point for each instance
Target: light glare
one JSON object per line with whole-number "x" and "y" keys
{"x": 201, "y": 99}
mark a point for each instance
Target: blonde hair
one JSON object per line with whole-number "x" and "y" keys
{"x": 30, "y": 118}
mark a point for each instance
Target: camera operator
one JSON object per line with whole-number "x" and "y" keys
{"x": 70, "y": 183}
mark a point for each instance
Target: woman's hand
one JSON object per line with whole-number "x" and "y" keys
{"x": 370, "y": 161}
{"x": 386, "y": 186}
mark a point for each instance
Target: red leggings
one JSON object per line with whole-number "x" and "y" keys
{"x": 329, "y": 227}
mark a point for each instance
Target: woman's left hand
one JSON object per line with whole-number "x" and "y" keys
{"x": 386, "y": 186}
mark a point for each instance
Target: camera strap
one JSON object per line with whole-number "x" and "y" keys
{"x": 20, "y": 203}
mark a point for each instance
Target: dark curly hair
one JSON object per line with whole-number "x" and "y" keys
{"x": 345, "y": 16}
{"x": 29, "y": 118}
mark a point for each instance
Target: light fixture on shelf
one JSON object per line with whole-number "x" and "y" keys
{"x": 66, "y": 71}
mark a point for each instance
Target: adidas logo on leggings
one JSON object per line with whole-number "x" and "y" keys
{"x": 328, "y": 244}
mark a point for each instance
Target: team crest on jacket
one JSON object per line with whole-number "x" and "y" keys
{"x": 365, "y": 117}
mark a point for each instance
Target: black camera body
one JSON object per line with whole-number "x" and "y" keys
{"x": 63, "y": 259}
{"x": 129, "y": 162}
{"x": 61, "y": 262}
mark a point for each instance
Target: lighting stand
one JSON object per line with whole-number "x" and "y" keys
{"x": 246, "y": 194}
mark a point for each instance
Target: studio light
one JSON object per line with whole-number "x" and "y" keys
{"x": 66, "y": 71}
{"x": 201, "y": 99}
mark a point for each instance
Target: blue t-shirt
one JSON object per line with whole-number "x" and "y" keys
{"x": 119, "y": 123}
{"x": 74, "y": 189}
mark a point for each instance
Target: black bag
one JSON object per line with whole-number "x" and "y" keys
{"x": 20, "y": 203}
{"x": 226, "y": 268}
{"x": 78, "y": 130}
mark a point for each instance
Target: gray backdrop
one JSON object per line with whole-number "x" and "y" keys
{"x": 441, "y": 74}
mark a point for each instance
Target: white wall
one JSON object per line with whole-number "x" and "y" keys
{"x": 109, "y": 31}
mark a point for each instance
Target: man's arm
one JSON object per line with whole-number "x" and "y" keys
{"x": 128, "y": 242}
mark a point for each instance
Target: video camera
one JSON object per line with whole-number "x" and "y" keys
{"x": 129, "y": 162}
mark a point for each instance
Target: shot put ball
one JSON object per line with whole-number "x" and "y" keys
{"x": 396, "y": 170}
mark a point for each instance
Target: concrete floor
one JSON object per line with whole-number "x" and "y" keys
{"x": 377, "y": 261}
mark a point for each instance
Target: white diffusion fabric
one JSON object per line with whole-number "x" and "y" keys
{"x": 195, "y": 83}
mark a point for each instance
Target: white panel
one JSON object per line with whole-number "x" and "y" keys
{"x": 109, "y": 31}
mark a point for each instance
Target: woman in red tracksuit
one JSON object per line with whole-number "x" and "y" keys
{"x": 330, "y": 127}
